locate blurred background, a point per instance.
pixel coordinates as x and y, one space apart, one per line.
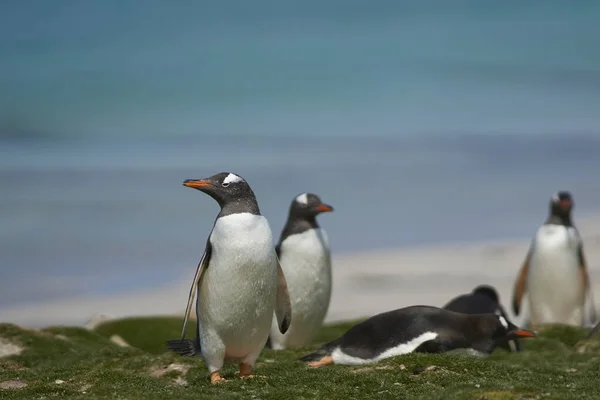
421 122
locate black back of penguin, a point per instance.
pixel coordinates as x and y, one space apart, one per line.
483 299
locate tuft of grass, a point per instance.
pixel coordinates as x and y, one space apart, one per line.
73 363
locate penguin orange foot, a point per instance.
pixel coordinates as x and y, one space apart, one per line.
246 372
327 360
216 377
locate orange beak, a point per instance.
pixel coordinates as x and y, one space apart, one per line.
196 183
522 333
565 203
324 208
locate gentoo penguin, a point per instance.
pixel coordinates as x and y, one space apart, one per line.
303 251
421 329
554 272
239 282
484 299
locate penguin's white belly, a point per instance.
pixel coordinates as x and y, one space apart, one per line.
306 262
238 291
554 283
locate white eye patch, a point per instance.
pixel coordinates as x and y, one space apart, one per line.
302 199
232 178
503 321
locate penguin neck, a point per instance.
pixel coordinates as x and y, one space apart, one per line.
298 224
559 219
481 332
244 205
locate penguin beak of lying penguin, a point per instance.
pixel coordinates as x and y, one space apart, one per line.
520 333
197 183
324 208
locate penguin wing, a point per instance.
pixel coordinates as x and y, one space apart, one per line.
594 331
283 306
521 283
585 281
202 265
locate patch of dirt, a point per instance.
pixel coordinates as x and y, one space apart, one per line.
428 368
14 384
588 346
378 368
158 372
85 388
8 348
12 366
119 341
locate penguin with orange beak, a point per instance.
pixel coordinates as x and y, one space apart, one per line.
554 273
305 258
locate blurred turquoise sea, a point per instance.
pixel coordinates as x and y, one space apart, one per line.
421 122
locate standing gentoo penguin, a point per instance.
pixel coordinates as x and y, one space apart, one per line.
421 329
554 272
304 254
483 299
239 281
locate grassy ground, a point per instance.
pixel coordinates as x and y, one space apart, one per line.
78 364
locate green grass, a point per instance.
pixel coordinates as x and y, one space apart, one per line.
558 364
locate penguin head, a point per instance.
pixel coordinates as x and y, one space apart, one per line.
488 291
308 205
225 187
506 330
561 204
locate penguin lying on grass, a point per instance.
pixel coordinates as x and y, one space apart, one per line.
422 329
484 299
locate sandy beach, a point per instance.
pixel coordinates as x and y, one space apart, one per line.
364 283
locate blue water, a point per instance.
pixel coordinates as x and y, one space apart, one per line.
421 121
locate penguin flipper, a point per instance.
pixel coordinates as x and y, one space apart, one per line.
283 306
278 250
316 355
202 265
585 282
521 284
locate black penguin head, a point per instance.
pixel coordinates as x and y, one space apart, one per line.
308 206
506 330
561 204
488 291
228 189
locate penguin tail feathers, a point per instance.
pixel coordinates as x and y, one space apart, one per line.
185 347
317 355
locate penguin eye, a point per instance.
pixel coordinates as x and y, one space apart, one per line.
225 184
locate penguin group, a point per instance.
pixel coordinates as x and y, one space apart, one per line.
251 293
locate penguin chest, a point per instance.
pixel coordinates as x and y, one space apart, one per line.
237 293
554 285
306 262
